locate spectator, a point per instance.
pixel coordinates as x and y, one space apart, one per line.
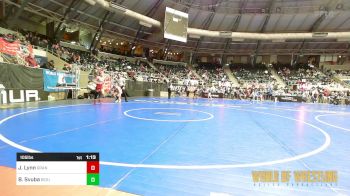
31 61
49 65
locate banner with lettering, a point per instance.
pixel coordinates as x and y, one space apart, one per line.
10 48
14 48
55 81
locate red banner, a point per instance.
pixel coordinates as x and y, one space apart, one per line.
8 47
14 48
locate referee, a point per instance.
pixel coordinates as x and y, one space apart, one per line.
121 82
170 86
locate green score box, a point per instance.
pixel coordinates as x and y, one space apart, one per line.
92 179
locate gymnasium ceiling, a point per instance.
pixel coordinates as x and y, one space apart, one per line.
224 15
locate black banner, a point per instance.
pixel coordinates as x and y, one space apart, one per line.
22 84
20 77
214 95
289 98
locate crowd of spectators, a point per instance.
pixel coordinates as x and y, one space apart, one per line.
343 76
305 77
343 73
36 39
78 59
83 59
257 76
211 73
12 37
212 79
255 82
311 84
178 74
338 73
141 71
22 55
25 55
89 61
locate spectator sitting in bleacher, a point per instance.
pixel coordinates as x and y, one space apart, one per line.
31 61
67 67
49 65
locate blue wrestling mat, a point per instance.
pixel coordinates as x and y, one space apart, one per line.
153 146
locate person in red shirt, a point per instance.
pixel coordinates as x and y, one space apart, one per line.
99 86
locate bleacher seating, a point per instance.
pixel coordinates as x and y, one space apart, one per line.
177 74
255 76
211 73
255 80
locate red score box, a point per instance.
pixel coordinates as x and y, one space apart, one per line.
93 167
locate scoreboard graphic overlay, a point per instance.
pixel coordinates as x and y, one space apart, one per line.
175 25
57 169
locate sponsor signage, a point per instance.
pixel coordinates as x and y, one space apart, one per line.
19 96
53 80
14 48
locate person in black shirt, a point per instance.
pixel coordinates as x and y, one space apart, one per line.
187 90
170 86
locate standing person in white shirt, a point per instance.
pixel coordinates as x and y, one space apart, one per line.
117 92
210 91
121 82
